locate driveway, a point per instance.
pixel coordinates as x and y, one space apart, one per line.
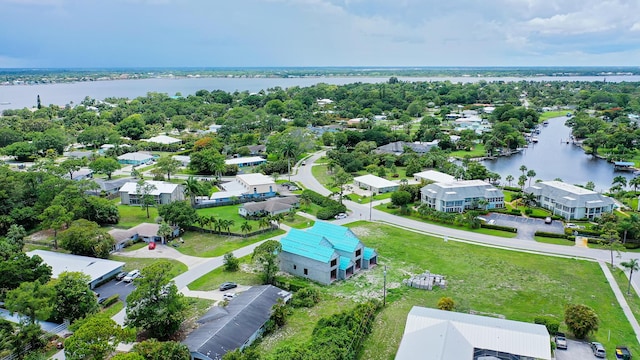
165 252
113 287
576 350
527 227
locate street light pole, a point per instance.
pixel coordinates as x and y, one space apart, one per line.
384 289
370 203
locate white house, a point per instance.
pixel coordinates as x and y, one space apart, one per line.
246 161
458 196
163 139
135 158
246 187
570 201
163 192
184 159
432 334
375 184
433 176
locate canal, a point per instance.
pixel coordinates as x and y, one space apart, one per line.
553 158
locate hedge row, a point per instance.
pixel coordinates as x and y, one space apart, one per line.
110 300
512 188
550 235
330 207
499 227
583 232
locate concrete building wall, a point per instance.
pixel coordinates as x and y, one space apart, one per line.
315 270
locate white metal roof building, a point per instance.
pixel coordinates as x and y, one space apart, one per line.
570 201
433 176
432 334
135 158
460 195
164 192
163 139
246 161
97 269
375 184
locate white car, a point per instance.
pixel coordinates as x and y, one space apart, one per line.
341 216
572 226
131 275
228 296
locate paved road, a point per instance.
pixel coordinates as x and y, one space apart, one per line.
360 211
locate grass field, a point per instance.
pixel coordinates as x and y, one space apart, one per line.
477 151
229 212
552 114
131 216
518 286
299 222
632 298
322 175
555 241
202 244
213 279
367 199
131 263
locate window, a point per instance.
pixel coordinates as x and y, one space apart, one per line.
334 262
255 190
306 271
358 252
295 267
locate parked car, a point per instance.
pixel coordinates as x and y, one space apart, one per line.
228 286
228 296
561 341
598 350
131 275
101 300
303 163
152 245
341 216
548 220
571 226
121 275
623 353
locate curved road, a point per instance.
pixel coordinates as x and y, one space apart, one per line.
359 211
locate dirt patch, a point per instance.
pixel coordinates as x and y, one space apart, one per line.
41 236
362 231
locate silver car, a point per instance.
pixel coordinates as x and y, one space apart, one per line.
598 350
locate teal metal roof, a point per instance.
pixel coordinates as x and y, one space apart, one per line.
340 237
345 263
308 245
369 253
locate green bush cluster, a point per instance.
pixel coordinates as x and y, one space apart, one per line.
583 232
306 297
499 227
552 325
330 207
550 235
111 300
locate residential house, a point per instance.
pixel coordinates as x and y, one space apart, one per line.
246 187
163 193
184 160
273 206
375 184
235 326
147 232
458 196
255 150
163 139
433 176
246 161
432 334
324 253
98 270
79 154
108 187
398 147
80 174
135 158
570 201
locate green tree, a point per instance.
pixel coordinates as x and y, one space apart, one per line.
32 299
21 150
87 238
632 265
581 320
153 349
245 227
446 303
132 126
72 297
71 165
96 338
17 268
104 165
611 240
128 356
590 185
531 174
144 190
289 150
207 161
55 217
523 169
192 188
155 305
168 165
509 179
521 181
630 224
339 179
178 213
266 257
231 263
15 237
165 231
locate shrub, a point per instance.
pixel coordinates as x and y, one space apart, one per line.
111 300
550 235
552 324
446 303
515 212
231 263
306 297
528 211
581 320
499 227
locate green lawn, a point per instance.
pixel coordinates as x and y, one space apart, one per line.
555 241
310 209
136 246
322 175
299 222
202 244
519 286
632 298
131 216
213 279
367 199
229 212
477 151
552 114
413 216
131 263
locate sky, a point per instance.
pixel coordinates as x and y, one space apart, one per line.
298 33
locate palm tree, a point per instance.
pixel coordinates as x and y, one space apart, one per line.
228 224
529 199
246 227
192 188
531 174
211 222
631 223
202 221
632 265
635 182
523 169
509 179
620 180
289 150
218 225
264 222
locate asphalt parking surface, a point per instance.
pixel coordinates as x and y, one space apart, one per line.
576 350
113 287
527 227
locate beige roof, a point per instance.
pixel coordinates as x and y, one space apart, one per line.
163 139
255 179
161 187
375 181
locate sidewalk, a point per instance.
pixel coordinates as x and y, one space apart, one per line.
621 299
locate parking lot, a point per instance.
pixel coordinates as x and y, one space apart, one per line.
527 227
576 350
113 287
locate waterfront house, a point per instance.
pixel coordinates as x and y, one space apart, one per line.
375 184
433 176
570 201
458 196
163 193
324 253
236 325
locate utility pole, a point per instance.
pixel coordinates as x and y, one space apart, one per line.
384 289
371 203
